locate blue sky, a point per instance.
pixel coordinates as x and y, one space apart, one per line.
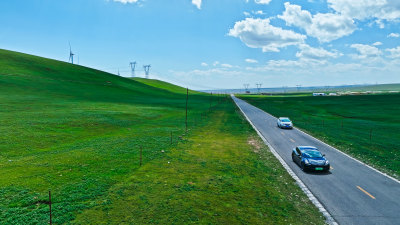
216 43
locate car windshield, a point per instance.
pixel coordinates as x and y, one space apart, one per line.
285 120
312 153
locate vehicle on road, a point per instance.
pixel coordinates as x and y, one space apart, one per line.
309 158
284 122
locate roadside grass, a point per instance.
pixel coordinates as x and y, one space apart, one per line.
221 173
78 132
365 126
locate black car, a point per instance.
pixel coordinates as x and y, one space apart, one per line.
310 159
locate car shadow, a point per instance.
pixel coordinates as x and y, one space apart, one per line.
318 173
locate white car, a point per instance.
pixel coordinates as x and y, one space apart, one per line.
284 122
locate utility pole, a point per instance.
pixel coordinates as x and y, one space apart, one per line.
210 101
187 98
147 70
133 67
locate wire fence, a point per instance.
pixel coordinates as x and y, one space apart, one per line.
153 142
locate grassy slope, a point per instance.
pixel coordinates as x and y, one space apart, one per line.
370 130
164 85
78 131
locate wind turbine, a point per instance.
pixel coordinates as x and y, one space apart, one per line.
71 55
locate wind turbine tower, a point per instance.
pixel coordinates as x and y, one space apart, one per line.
71 55
147 70
133 67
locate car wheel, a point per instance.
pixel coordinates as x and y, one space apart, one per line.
293 157
302 167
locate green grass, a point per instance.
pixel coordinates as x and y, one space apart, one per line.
212 177
78 132
378 87
366 126
163 85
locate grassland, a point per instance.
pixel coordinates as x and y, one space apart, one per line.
78 132
365 126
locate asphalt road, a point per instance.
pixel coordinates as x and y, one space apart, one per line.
351 192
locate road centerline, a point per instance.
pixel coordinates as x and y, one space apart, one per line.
336 190
365 192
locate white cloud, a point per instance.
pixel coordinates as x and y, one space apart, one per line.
394 52
259 12
216 63
246 13
251 61
367 9
259 33
394 35
303 65
265 2
328 27
126 1
378 43
226 65
197 3
366 51
295 16
325 27
204 64
309 52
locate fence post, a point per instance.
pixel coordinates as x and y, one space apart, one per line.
370 134
51 222
141 149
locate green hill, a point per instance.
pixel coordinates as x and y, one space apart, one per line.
164 85
114 150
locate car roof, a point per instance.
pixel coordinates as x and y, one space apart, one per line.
307 147
284 118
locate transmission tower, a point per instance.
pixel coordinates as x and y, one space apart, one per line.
246 87
133 67
258 87
298 87
71 55
147 70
